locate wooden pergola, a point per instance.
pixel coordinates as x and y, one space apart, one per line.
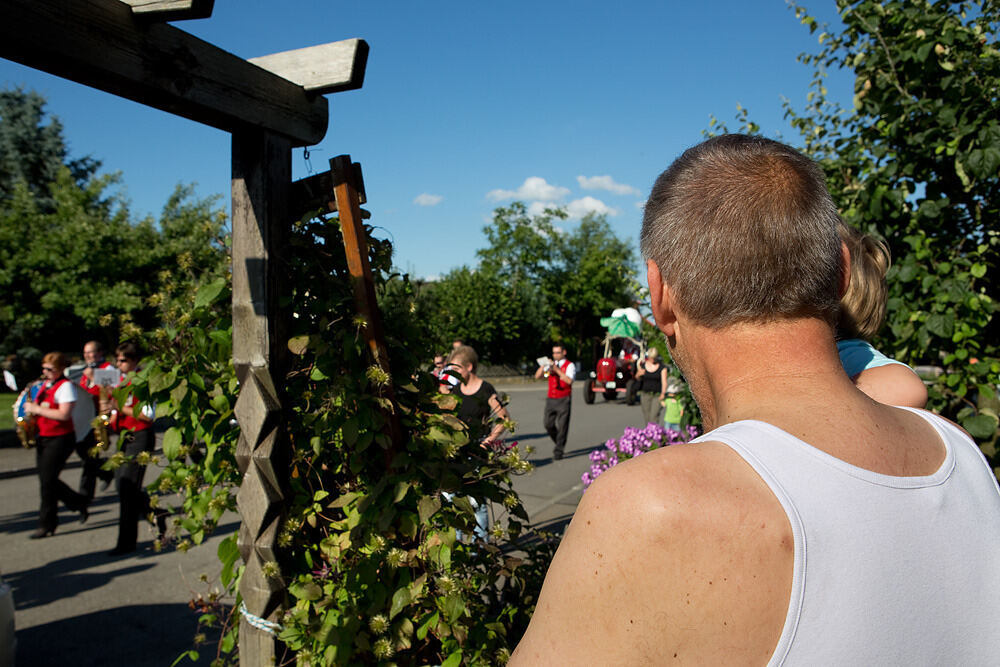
269 104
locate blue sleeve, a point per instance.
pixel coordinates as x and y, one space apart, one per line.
857 355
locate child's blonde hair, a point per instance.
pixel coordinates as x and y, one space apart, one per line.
863 305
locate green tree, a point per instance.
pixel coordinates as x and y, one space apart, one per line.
917 161
501 320
522 248
594 274
73 263
580 275
60 270
32 151
84 269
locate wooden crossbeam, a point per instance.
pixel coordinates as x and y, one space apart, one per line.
99 43
327 68
315 192
171 10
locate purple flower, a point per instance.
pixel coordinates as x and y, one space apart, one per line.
632 443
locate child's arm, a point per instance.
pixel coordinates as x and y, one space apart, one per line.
893 384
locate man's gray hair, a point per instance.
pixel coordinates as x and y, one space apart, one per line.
743 229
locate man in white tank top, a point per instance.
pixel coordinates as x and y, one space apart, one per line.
810 525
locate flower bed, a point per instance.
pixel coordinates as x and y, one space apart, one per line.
633 442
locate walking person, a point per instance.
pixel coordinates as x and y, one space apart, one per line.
481 410
135 424
560 372
53 410
673 409
93 356
652 379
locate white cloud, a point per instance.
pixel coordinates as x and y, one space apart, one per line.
426 199
605 183
537 208
581 207
534 188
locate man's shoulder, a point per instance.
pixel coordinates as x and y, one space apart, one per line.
709 542
686 482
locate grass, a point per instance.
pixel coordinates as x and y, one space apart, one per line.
7 410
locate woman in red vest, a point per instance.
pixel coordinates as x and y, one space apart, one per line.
53 410
136 425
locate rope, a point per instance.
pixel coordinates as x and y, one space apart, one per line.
260 623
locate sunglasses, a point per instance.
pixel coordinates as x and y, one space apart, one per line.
121 359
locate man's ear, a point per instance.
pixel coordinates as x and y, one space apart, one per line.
845 270
660 299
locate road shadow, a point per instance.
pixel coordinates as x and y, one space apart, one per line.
549 530
64 578
133 636
68 521
541 461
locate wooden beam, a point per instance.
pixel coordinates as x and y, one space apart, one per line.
315 192
99 43
327 68
171 10
345 188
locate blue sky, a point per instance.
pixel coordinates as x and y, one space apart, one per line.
468 105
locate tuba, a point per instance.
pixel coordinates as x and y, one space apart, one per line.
25 424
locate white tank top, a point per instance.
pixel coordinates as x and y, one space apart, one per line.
887 570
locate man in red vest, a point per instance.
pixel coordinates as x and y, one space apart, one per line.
560 373
93 355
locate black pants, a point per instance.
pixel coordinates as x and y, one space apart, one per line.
132 497
91 466
557 422
50 457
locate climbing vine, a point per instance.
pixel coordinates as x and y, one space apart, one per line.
379 548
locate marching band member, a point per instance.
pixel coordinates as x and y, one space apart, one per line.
135 424
93 355
53 410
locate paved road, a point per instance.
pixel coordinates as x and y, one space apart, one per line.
76 605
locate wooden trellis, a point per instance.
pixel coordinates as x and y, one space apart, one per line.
269 105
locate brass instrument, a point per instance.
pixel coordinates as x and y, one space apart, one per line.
26 425
102 431
27 430
102 422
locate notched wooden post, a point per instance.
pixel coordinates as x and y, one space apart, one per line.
261 185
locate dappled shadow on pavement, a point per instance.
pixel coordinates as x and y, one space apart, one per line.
61 579
539 461
133 636
103 511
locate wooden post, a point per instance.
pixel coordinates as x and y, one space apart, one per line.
261 183
346 188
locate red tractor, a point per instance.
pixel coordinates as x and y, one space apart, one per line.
614 374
